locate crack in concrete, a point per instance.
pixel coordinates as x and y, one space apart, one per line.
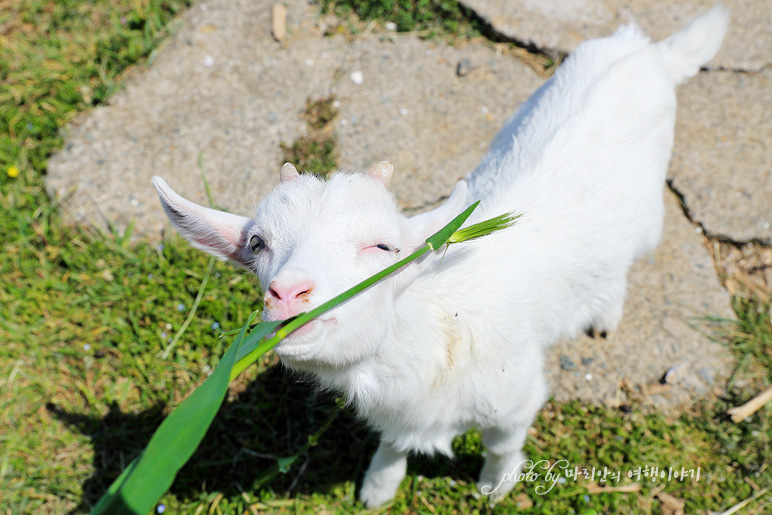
495 36
723 238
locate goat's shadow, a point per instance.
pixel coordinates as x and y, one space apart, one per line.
271 418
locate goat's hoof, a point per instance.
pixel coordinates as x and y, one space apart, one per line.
373 496
494 491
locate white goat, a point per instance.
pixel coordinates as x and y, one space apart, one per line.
442 347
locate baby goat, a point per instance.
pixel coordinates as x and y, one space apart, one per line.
445 345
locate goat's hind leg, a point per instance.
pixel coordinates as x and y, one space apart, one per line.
613 302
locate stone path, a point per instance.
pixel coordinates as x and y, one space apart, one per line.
225 90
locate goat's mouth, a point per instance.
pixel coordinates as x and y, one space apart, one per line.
303 343
309 327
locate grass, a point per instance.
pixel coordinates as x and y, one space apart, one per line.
431 17
85 317
316 152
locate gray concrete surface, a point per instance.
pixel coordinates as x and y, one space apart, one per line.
727 178
224 89
722 157
560 25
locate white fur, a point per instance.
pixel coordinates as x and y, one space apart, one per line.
445 345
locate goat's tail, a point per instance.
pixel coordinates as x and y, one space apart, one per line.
696 44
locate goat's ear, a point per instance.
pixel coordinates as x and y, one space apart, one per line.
288 172
219 233
416 229
420 227
381 172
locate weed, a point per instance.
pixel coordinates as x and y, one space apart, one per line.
320 114
430 16
316 152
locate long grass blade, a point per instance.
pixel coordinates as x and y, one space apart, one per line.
136 491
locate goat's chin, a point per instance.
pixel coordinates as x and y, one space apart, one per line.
306 342
327 347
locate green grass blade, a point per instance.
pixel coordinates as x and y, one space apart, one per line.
193 309
484 228
174 442
112 502
441 237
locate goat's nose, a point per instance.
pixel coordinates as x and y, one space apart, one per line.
290 293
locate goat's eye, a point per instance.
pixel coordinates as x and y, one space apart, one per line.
387 248
256 243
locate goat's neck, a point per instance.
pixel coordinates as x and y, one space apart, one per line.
421 350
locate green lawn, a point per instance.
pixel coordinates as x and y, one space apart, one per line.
86 316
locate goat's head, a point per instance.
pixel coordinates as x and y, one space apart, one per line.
310 240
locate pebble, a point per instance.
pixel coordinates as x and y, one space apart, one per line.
587 361
357 77
588 377
463 67
390 25
706 375
670 375
208 61
566 363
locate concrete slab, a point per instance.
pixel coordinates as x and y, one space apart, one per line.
722 158
224 90
562 24
414 110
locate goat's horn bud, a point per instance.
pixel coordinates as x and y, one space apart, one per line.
381 172
288 172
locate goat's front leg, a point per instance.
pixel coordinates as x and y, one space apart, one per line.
387 470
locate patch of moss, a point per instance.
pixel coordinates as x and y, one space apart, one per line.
317 151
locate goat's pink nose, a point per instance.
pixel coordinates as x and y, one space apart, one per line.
290 293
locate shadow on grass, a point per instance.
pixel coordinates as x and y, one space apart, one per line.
272 418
